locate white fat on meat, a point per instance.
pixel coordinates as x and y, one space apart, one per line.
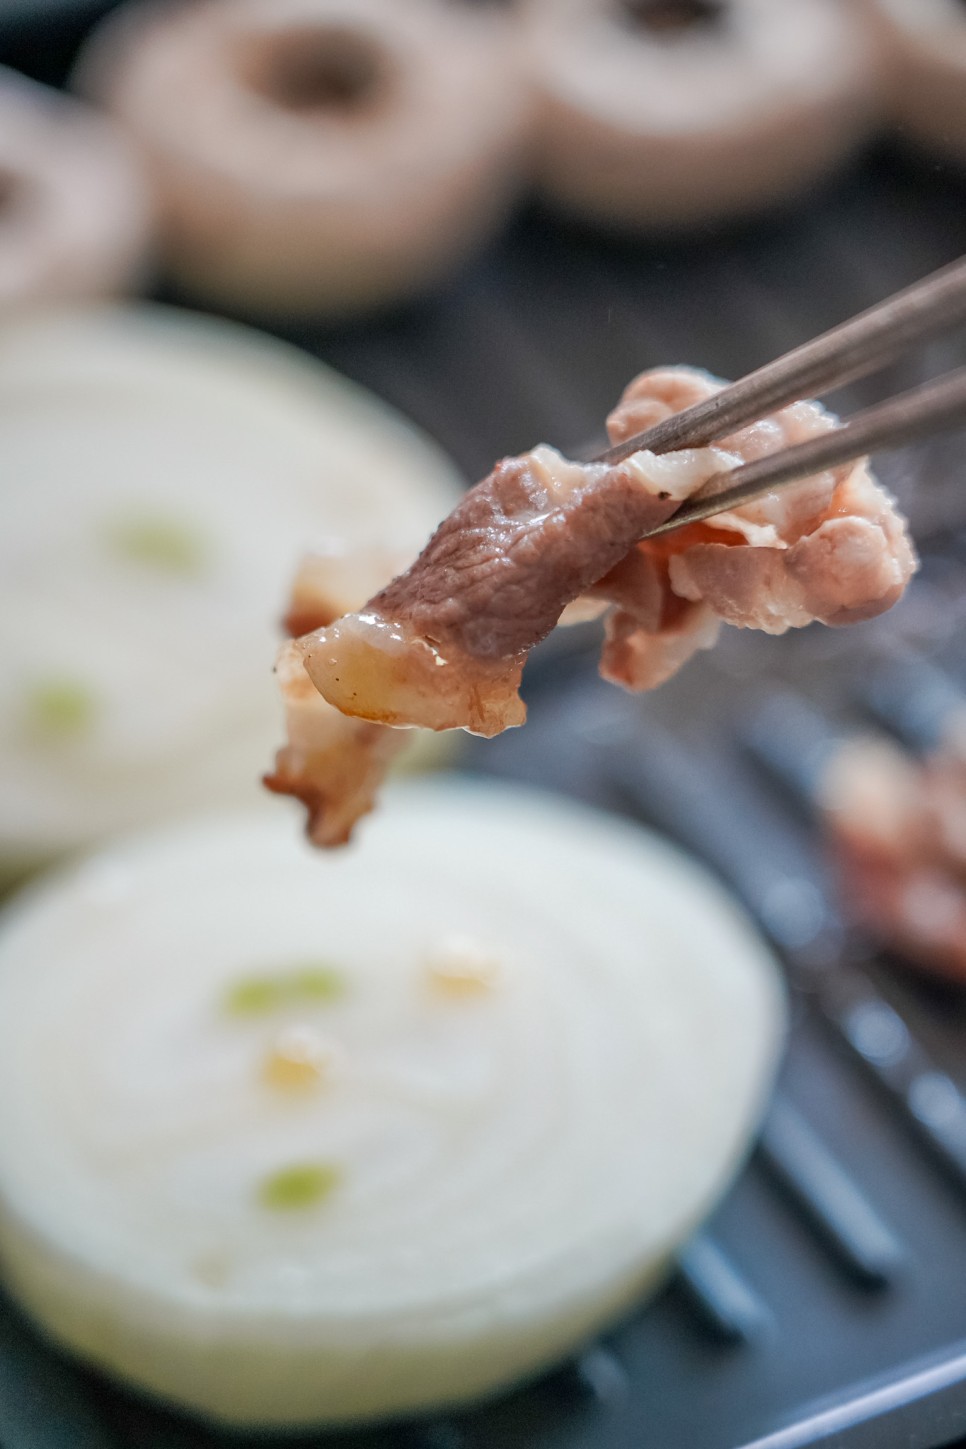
544 539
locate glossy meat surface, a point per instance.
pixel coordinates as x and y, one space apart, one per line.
333 764
443 645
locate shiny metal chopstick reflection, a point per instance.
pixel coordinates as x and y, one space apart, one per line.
935 407
854 349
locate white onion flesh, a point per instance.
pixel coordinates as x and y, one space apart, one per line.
234 455
516 1160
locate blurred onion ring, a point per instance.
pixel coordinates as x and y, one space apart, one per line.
667 113
74 212
316 156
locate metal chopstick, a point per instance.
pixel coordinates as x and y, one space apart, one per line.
935 407
852 350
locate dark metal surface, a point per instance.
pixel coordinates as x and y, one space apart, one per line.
824 1302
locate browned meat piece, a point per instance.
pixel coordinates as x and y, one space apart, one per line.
327 584
333 764
639 658
445 643
651 631
919 913
832 548
854 564
898 833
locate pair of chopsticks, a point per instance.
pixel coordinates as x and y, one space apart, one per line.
852 350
